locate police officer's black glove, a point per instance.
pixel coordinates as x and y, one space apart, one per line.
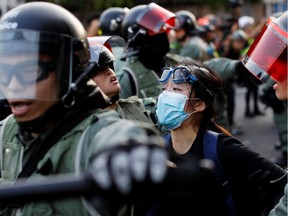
126 168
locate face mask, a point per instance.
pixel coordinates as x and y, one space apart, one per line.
170 109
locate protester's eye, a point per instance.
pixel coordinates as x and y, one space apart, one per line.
164 88
177 89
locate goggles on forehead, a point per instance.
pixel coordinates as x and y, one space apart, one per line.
179 75
182 74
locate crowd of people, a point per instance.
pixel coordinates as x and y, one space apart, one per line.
143 99
219 42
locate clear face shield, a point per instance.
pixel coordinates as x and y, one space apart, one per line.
34 65
115 44
267 56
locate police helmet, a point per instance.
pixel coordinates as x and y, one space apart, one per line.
34 29
102 49
206 24
235 3
111 19
187 20
245 21
239 35
101 54
148 19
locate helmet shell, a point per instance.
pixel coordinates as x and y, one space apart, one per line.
151 18
235 3
239 35
206 24
102 49
187 21
245 21
111 19
53 21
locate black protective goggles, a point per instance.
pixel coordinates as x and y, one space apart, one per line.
26 72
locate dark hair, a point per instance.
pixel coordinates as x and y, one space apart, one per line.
208 88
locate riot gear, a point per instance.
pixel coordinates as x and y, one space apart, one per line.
100 54
267 56
206 24
187 20
148 19
40 27
40 40
235 3
111 19
102 49
145 28
245 21
239 35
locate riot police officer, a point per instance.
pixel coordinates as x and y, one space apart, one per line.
141 110
267 59
55 126
145 27
187 34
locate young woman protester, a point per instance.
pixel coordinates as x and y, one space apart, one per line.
251 183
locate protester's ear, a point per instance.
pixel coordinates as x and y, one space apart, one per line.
200 106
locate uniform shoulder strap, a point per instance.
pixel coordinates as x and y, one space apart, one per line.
210 152
133 80
2 128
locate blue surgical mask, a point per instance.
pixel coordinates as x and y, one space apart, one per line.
170 109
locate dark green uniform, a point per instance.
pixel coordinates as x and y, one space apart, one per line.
70 154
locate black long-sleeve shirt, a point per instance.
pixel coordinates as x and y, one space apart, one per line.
251 177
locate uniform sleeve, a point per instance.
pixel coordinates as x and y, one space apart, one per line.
150 105
281 207
110 131
107 135
225 67
249 172
191 51
3 123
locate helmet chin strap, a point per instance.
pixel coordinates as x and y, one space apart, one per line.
115 98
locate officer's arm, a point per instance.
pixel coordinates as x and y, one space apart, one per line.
191 51
225 67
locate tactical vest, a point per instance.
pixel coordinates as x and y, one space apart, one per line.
143 81
134 109
67 155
